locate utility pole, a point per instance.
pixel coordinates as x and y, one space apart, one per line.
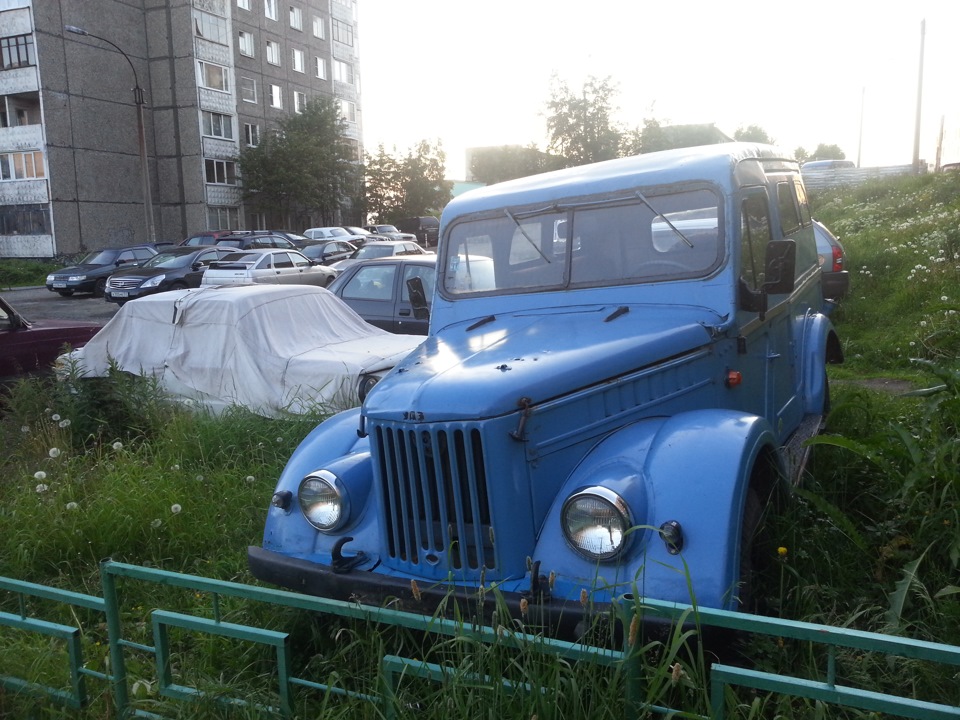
916 131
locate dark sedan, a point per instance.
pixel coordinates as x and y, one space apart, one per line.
377 290
90 274
176 268
30 347
329 251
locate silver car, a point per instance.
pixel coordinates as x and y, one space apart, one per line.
274 266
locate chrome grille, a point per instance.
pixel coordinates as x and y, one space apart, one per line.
124 283
434 486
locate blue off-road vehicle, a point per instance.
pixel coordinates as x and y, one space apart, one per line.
622 364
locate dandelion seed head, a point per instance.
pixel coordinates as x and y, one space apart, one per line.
65 423
118 446
40 475
156 523
55 417
24 428
175 508
54 452
71 506
42 488
250 478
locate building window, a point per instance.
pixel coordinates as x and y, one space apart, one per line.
296 18
299 64
214 77
17 51
349 110
220 172
270 9
343 72
24 220
223 218
251 134
217 125
248 90
246 43
211 27
21 166
342 32
276 96
299 101
273 52
319 28
321 68
243 4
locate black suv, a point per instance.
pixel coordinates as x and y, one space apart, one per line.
248 239
427 229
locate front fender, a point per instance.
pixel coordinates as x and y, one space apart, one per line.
693 468
334 445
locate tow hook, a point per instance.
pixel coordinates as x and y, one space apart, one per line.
539 586
343 564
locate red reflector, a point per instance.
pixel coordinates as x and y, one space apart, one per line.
734 378
837 260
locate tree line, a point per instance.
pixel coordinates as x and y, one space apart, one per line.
306 171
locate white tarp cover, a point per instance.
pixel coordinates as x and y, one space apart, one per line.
274 349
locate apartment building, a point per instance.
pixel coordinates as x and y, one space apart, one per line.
90 88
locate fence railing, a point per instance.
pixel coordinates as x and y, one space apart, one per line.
393 667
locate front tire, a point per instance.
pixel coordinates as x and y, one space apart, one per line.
100 287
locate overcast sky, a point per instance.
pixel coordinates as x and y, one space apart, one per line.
478 74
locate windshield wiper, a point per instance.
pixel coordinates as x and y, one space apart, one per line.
524 233
663 217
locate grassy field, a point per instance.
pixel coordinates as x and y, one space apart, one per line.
870 541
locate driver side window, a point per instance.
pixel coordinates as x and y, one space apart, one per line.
754 236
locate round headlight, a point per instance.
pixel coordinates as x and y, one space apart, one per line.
323 501
595 523
366 385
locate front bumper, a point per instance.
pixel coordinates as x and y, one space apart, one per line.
122 296
80 286
534 611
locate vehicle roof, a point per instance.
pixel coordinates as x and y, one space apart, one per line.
429 259
710 163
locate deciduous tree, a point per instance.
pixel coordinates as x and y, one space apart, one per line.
409 185
580 126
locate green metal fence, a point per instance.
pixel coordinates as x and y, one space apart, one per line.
393 668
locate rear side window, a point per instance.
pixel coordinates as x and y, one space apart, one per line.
789 214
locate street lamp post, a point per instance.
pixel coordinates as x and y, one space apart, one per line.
139 101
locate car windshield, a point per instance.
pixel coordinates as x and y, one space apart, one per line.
617 241
386 229
100 257
374 250
169 260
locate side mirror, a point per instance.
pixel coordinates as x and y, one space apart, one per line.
197 266
781 266
418 298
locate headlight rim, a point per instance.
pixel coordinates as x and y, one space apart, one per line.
618 503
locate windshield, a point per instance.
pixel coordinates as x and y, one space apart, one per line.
634 239
374 251
100 257
168 260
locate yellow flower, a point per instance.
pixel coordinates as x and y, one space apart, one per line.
782 551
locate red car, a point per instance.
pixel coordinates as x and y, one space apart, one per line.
27 348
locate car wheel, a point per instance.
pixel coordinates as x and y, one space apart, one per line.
65 293
330 281
99 287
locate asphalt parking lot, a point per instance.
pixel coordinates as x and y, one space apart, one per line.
41 304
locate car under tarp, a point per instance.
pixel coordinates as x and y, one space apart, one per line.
275 350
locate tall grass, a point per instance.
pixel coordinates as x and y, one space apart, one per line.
869 541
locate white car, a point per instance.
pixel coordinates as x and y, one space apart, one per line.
275 266
276 350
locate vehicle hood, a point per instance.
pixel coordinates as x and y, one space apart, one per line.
142 272
83 269
481 369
